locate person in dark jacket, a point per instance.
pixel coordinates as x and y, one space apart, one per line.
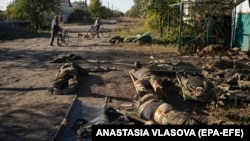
55 28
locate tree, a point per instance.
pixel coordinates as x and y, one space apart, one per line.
80 12
155 12
95 8
2 16
138 6
81 5
33 10
134 12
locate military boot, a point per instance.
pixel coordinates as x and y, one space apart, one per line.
207 120
54 91
178 118
72 86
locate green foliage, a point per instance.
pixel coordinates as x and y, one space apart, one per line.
164 16
78 15
95 8
107 13
156 14
172 35
34 10
3 16
152 21
134 10
14 11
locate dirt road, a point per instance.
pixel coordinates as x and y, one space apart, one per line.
28 111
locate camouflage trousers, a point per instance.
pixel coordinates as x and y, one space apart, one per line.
242 82
149 83
150 108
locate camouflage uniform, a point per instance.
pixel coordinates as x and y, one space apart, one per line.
150 108
145 78
217 65
231 78
235 85
67 79
193 87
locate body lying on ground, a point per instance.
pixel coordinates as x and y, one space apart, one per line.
150 107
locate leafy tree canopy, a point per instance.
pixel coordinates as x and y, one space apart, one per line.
33 10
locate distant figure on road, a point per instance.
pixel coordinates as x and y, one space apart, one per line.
97 24
54 29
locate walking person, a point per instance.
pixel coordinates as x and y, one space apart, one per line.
54 29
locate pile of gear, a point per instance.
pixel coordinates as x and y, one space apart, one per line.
66 58
141 39
118 39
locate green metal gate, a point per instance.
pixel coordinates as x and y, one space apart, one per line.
242 33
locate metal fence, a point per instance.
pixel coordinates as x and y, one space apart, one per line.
13 29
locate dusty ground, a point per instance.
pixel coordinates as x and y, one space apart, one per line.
29 112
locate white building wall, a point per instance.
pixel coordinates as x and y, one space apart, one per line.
66 10
187 5
243 7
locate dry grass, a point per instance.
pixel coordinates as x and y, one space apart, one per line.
130 27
